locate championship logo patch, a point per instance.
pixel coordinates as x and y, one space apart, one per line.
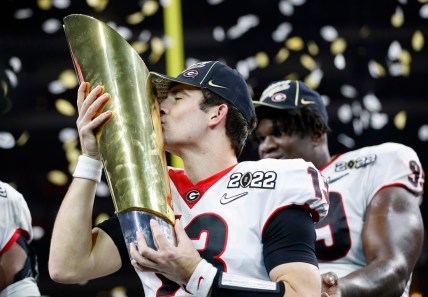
355 164
257 179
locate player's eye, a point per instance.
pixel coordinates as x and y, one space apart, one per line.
260 138
278 134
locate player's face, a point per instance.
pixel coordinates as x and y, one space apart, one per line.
282 146
183 122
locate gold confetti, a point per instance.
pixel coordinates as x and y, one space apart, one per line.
397 19
405 57
23 138
140 46
4 87
307 62
311 82
400 120
98 5
313 48
135 18
150 7
418 41
44 4
158 48
295 43
64 107
57 177
292 76
101 218
68 78
376 69
282 55
405 71
262 59
338 46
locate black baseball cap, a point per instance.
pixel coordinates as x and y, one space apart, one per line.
290 94
214 76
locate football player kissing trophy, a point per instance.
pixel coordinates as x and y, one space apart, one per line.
131 143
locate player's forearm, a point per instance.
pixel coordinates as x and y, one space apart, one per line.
71 242
300 279
306 284
378 279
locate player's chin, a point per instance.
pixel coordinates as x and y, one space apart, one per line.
170 148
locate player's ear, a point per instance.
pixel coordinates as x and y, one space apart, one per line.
319 138
218 114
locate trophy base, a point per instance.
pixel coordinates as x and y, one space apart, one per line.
137 220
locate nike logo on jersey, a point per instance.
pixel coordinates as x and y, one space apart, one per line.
212 84
332 180
225 200
201 278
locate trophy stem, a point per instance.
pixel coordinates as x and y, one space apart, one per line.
137 220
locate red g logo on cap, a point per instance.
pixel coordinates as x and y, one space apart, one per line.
190 73
278 97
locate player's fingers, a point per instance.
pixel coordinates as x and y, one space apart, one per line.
179 231
159 237
91 98
330 278
138 261
82 92
94 113
141 241
140 251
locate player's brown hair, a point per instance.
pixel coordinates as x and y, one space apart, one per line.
237 127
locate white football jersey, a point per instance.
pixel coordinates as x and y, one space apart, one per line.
225 214
15 217
353 179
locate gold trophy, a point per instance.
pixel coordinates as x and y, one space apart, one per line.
131 143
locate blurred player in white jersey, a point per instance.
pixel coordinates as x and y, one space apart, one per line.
245 229
18 262
373 234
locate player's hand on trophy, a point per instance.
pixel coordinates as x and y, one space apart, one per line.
330 285
92 118
175 262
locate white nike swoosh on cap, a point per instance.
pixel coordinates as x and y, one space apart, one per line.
211 83
306 102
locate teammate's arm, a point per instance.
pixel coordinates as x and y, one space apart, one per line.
392 242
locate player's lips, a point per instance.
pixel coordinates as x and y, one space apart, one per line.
274 155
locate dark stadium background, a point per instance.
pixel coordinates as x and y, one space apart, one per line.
368 58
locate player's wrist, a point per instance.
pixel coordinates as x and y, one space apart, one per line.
88 168
229 285
201 280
